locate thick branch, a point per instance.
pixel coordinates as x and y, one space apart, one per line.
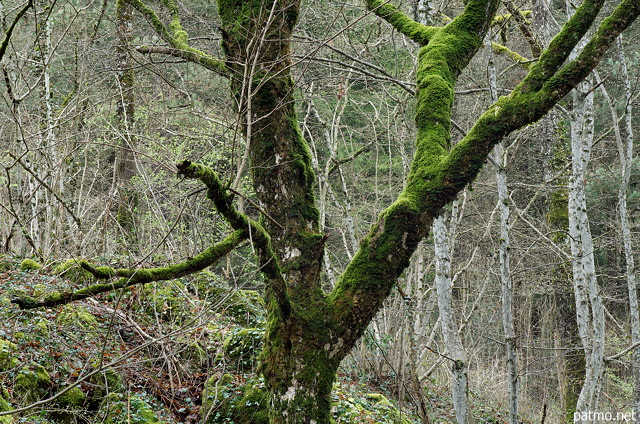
563 43
418 32
437 176
578 69
130 277
384 253
177 38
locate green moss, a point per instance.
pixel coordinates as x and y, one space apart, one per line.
73 271
29 265
31 383
76 315
419 33
352 408
39 290
108 381
104 272
516 57
378 398
194 354
73 398
7 358
42 326
213 394
253 407
53 297
5 406
501 19
70 406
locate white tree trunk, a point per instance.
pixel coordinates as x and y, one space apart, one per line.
589 307
453 344
500 158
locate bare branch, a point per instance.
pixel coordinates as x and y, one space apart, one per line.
45 185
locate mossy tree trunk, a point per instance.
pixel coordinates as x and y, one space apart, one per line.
299 371
309 331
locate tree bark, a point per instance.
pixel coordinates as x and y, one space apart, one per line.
450 331
500 158
626 156
589 307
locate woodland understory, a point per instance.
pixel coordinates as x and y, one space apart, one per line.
284 211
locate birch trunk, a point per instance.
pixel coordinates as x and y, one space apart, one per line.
500 158
452 341
589 307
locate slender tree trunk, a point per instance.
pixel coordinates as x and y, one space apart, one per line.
450 331
500 158
589 307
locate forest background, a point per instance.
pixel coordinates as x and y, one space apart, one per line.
97 111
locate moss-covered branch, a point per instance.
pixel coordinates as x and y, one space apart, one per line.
418 32
176 37
552 58
619 20
7 34
130 277
384 253
223 202
438 175
515 56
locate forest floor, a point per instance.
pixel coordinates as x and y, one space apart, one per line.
178 352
